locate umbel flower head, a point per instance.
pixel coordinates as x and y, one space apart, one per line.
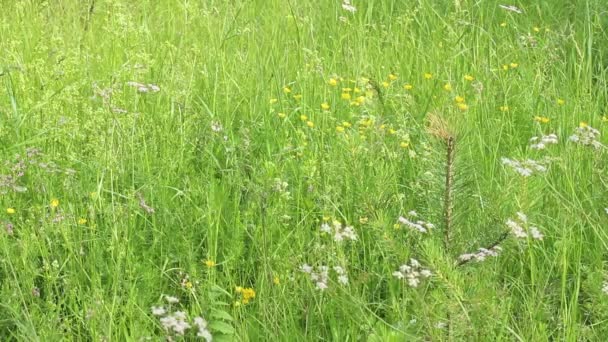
412 272
521 229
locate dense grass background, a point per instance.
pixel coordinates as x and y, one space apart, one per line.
240 185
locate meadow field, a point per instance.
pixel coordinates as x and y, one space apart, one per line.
281 170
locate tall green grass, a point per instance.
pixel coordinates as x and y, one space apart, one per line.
234 184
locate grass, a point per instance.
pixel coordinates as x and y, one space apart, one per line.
113 198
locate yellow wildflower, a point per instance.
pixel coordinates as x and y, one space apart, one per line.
346 124
345 96
513 65
463 107
385 84
209 263
404 144
54 203
273 101
357 90
541 119
282 115
286 90
360 100
505 67
391 131
504 108
408 86
447 87
561 102
310 124
459 99
333 82
10 211
303 117
325 106
468 78
276 280
363 220
428 76
536 29
340 129
392 77
82 220
605 118
297 97
582 124
503 24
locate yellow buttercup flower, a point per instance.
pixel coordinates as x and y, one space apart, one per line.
468 78
332 82
209 263
463 107
447 87
385 84
459 99
541 119
504 108
428 76
82 220
10 211
54 203
408 86
339 129
303 117
325 106
561 102
286 90
310 124
392 77
345 96
513 65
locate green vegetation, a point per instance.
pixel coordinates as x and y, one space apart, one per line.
273 167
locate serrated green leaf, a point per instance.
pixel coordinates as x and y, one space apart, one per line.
221 327
220 314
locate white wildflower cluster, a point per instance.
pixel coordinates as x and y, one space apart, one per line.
527 167
587 136
347 6
511 8
339 231
281 186
144 88
320 275
540 143
177 322
412 223
216 127
521 230
481 255
412 272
